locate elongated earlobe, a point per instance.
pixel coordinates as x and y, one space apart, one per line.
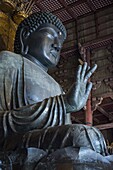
25 50
24 34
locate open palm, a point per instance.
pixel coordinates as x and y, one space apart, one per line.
77 95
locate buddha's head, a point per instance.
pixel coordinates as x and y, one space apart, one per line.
41 36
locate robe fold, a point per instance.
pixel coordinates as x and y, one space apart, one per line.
29 97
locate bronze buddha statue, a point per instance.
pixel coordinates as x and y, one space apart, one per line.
34 110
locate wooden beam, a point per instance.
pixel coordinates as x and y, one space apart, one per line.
100 109
96 120
108 115
99 40
104 126
88 44
107 104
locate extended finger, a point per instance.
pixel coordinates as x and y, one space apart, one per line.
90 72
84 68
78 73
88 89
77 83
88 68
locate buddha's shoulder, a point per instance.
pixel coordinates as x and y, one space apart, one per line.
10 57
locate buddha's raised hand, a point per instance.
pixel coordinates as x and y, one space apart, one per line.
77 96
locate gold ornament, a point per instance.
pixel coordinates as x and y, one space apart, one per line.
19 16
11 14
8 6
7 32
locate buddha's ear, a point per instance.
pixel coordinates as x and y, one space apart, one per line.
24 35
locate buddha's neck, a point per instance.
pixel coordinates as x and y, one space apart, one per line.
34 60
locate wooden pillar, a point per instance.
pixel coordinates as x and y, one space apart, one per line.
88 111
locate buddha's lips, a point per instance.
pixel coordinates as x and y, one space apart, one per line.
53 54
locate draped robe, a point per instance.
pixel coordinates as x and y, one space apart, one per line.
29 97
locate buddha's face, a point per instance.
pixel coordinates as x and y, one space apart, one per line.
45 44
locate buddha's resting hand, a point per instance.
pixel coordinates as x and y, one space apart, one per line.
77 96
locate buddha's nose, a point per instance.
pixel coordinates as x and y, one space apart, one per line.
57 44
56 47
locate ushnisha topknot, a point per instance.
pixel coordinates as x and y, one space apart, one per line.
34 21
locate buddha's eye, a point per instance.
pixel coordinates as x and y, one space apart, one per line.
48 34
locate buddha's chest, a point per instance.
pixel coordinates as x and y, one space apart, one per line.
39 85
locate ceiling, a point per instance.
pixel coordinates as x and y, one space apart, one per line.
90 23
68 10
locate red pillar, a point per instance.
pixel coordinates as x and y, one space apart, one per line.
88 111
